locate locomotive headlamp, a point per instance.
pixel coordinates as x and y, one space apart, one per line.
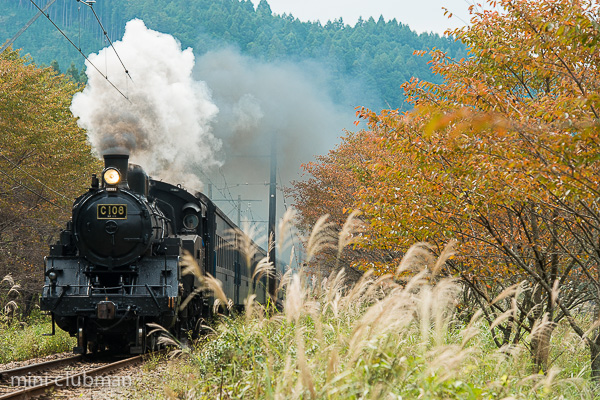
112 176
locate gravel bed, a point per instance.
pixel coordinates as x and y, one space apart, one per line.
123 384
131 374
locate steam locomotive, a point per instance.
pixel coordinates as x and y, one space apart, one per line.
117 265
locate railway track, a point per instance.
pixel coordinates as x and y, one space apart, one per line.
76 371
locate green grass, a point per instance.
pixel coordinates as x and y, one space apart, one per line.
22 341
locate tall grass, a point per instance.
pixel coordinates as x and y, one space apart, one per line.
22 340
392 337
25 340
9 293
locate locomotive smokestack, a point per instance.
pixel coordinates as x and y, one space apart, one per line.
120 162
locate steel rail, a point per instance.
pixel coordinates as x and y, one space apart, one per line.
67 381
29 369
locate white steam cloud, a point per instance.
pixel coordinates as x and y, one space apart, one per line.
184 115
165 124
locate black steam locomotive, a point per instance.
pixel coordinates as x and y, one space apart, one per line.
117 264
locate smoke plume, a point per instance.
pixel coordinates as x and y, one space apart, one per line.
261 102
164 125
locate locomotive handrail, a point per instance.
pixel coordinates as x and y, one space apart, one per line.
168 205
60 297
103 289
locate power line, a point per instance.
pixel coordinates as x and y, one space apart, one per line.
232 210
216 187
33 177
33 191
246 184
105 35
258 217
226 188
27 25
254 219
79 50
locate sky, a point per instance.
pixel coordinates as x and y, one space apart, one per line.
420 15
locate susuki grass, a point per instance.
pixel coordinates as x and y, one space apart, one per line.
9 292
393 337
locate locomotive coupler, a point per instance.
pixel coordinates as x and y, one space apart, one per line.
106 310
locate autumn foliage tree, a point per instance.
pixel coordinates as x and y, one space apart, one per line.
503 157
330 189
45 162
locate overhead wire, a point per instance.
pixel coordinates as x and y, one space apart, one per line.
33 191
218 189
79 18
107 37
227 189
227 195
251 213
257 218
33 177
232 209
246 184
25 27
79 50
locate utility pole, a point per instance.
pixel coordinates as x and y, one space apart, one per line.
239 221
272 214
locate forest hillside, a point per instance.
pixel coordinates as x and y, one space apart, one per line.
367 62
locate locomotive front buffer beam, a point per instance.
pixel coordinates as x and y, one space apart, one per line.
105 314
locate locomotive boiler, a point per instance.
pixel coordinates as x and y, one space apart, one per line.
117 265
